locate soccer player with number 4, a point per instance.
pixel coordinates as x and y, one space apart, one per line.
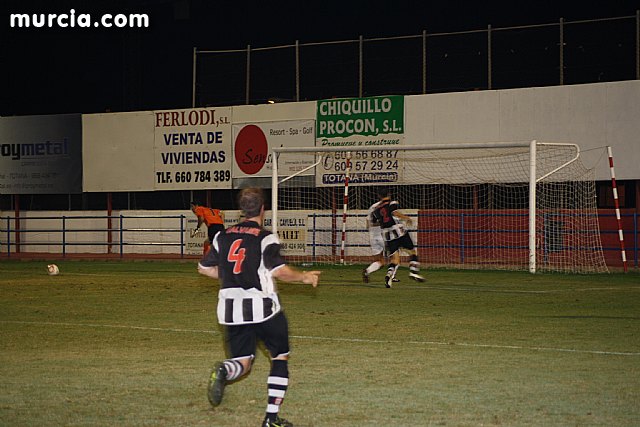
246 258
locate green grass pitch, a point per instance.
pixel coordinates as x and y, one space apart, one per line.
132 344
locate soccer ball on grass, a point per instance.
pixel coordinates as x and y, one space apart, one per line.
53 270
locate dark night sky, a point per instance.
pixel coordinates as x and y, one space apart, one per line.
76 70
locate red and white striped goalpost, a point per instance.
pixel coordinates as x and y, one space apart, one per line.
617 206
343 239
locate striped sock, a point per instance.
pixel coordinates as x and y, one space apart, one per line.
391 271
414 265
277 386
234 369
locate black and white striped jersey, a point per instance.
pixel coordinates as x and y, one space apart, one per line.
373 221
392 227
246 256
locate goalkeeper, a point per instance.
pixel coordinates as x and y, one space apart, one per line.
396 237
212 218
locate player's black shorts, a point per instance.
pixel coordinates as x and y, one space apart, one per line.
274 333
212 230
403 242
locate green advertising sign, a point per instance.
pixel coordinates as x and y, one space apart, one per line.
376 122
340 118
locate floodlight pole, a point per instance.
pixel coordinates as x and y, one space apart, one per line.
193 78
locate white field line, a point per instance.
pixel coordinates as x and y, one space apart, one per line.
350 340
521 291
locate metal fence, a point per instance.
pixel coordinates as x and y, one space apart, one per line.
564 52
94 233
149 234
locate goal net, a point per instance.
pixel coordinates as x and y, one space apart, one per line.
471 204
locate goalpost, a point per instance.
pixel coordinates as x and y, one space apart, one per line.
522 205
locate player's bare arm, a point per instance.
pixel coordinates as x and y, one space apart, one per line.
402 216
289 274
208 271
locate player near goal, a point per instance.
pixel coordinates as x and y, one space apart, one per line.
212 218
395 236
376 242
246 258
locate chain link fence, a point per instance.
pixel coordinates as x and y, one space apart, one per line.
564 52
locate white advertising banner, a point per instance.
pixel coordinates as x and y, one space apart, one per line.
117 151
194 237
252 143
292 231
192 149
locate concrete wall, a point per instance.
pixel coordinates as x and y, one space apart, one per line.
592 116
118 148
